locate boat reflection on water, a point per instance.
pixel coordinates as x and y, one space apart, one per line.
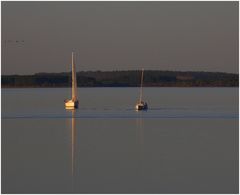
140 144
73 132
71 126
140 131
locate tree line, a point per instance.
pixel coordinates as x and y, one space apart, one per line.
130 78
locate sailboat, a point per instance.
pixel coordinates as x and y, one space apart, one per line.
73 103
141 105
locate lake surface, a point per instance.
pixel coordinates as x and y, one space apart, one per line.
187 141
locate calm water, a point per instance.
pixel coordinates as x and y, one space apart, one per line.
187 142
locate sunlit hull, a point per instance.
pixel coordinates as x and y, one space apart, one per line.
70 104
141 106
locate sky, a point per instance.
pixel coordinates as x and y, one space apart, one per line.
182 36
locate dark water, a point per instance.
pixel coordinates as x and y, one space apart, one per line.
187 142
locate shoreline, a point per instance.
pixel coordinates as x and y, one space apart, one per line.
30 87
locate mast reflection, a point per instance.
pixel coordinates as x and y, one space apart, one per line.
140 145
72 128
140 131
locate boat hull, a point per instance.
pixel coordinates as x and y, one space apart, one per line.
141 106
70 104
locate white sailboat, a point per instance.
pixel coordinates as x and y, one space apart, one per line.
141 105
73 103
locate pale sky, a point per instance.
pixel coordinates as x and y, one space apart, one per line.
184 36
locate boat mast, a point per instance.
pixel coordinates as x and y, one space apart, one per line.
74 80
141 90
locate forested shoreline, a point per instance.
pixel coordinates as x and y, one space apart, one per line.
131 78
